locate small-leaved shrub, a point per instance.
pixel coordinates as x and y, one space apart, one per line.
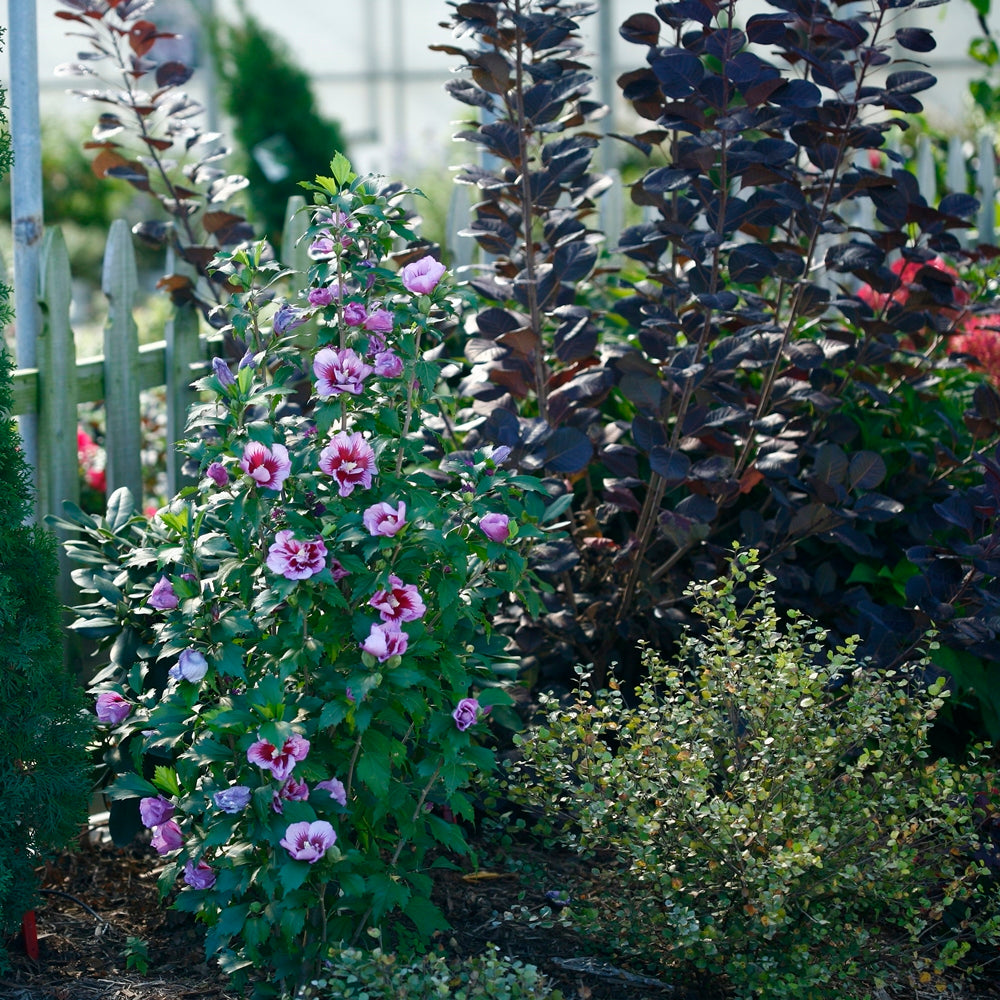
352 973
769 805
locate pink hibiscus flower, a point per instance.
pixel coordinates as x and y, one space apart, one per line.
308 841
295 559
279 762
267 467
339 371
400 603
385 640
421 276
384 519
349 459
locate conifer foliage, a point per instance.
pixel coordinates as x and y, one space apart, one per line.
43 766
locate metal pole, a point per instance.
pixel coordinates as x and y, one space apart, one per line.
26 197
606 82
400 147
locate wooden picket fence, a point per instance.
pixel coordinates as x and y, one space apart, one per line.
60 382
53 389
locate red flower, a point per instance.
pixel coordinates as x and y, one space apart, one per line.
980 337
908 272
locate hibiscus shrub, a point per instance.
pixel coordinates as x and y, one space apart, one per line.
301 660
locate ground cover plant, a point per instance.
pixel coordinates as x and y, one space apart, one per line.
767 810
766 366
298 662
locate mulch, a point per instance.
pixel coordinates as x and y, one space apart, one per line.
97 898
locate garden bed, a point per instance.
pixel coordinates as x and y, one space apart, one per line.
98 898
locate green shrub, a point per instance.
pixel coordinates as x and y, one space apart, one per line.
353 973
43 767
771 806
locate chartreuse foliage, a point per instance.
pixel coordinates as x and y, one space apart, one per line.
43 766
281 641
767 809
759 369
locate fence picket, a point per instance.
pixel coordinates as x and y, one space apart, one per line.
926 170
294 249
57 473
986 181
120 284
956 175
182 354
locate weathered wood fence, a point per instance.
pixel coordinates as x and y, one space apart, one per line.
53 389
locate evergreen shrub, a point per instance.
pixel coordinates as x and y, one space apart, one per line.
43 767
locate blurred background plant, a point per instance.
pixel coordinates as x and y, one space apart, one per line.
278 128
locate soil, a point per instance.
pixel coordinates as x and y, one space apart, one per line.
96 899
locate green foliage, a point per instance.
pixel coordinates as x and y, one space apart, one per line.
137 955
770 805
42 764
352 973
276 120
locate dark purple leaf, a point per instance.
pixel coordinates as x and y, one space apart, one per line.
798 94
647 433
959 205
830 464
671 465
854 257
645 391
766 29
866 471
805 354
576 336
491 71
572 262
494 322
663 180
916 39
909 82
642 29
678 72
554 558
468 93
750 263
568 450
172 74
494 235
877 507
697 508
